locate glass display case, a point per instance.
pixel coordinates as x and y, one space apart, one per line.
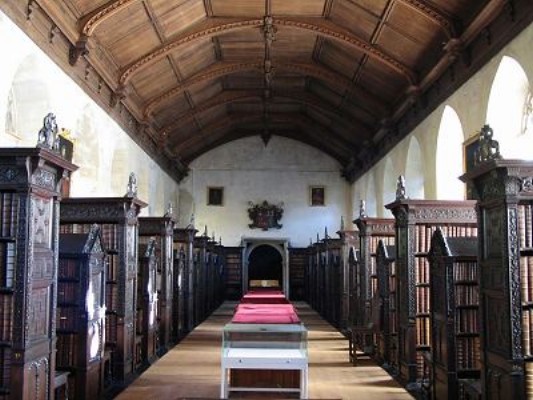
264 357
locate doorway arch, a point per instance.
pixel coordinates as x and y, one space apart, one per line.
265 263
268 246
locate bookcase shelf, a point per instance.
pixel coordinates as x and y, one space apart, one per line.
29 213
415 223
505 205
455 314
118 221
81 312
162 230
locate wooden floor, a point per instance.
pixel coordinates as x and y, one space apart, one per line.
192 368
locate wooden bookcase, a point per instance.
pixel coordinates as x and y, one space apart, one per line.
387 332
332 257
118 219
30 185
297 262
199 281
183 277
147 307
233 272
349 241
162 229
454 288
371 231
504 190
416 220
80 314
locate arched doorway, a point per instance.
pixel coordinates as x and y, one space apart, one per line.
265 263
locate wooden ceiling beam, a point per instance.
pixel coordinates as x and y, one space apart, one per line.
437 16
372 104
228 97
89 22
242 118
215 26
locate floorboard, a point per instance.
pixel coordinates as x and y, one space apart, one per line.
191 370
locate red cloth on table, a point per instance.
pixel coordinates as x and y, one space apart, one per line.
265 318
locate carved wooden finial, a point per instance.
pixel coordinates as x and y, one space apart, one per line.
48 133
362 209
205 231
170 210
132 186
400 188
342 223
317 238
489 149
326 233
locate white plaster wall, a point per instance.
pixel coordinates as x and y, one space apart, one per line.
102 150
470 102
279 172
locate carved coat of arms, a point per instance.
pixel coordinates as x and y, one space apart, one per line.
265 216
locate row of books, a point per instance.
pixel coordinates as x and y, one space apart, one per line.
5 366
468 353
111 328
422 300
6 317
67 318
525 225
423 331
9 204
424 233
109 233
68 292
68 268
466 320
527 332
466 295
374 241
526 278
465 271
111 297
67 350
7 264
112 267
421 270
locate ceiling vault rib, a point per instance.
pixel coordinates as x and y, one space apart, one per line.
216 71
90 22
318 25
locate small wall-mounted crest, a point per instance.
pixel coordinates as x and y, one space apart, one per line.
265 216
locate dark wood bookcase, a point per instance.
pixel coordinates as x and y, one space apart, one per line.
387 332
454 287
80 314
349 242
371 231
147 298
162 230
118 219
297 262
233 272
183 278
504 190
30 191
416 220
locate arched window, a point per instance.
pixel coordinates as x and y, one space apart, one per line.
414 171
449 157
509 110
389 185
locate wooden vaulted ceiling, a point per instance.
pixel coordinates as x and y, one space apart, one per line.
335 74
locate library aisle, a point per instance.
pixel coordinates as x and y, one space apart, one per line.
191 370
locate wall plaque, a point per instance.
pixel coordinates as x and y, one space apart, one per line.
265 216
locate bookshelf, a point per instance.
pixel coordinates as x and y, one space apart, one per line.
118 219
371 231
354 286
504 190
30 184
200 265
162 230
183 277
455 346
297 262
387 336
80 313
416 220
147 298
349 240
233 274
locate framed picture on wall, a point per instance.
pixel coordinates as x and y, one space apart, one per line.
317 196
215 196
